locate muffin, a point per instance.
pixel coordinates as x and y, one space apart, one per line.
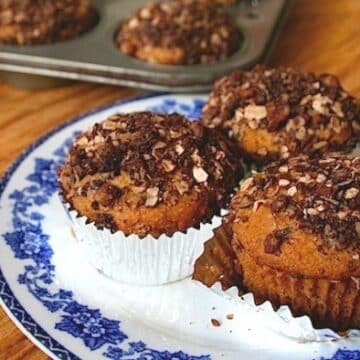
276 113
296 234
151 186
179 32
30 22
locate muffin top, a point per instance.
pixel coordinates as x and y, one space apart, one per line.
309 209
179 32
144 160
28 22
323 195
286 112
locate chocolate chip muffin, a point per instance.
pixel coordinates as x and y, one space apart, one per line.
276 113
179 32
296 234
30 22
143 191
146 173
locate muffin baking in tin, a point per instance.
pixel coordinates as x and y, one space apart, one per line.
31 22
179 32
145 191
97 57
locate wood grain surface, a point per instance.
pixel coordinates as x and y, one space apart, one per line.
321 36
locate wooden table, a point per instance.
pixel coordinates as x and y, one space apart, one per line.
321 36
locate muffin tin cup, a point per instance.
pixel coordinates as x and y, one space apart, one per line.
142 261
95 57
282 321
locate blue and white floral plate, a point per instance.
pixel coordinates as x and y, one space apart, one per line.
71 311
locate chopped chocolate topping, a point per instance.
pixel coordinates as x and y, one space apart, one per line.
26 22
215 322
105 221
95 205
107 195
271 244
179 32
303 112
323 194
273 241
145 159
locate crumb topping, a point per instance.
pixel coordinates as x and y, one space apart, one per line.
144 159
197 31
215 322
303 111
26 22
322 194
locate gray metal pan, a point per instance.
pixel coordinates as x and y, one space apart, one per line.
94 57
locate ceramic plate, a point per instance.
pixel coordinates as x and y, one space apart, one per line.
71 311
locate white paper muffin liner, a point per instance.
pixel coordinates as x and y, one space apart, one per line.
282 321
142 261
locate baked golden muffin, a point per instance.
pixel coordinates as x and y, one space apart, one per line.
145 173
144 192
30 22
179 32
276 113
296 234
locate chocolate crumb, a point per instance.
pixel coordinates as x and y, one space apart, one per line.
273 241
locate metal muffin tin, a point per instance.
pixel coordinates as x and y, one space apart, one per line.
94 56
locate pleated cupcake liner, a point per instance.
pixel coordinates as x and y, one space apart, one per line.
141 261
216 263
334 304
214 270
282 320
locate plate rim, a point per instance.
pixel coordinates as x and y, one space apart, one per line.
4 181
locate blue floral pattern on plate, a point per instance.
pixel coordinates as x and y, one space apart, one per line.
343 354
29 242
